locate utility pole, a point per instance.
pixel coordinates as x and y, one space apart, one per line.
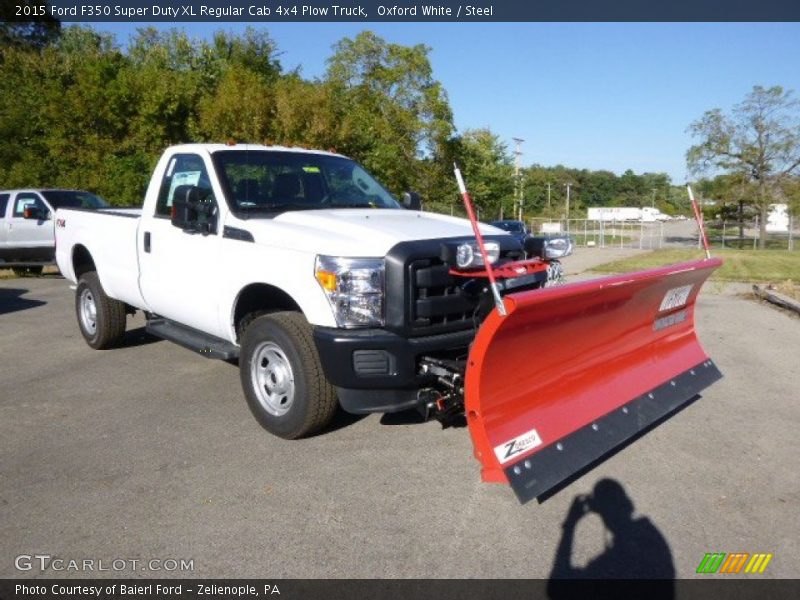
548 195
654 197
568 185
517 186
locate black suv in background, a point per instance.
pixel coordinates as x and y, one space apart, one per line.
515 228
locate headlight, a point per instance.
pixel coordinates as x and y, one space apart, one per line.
467 255
548 247
558 247
354 287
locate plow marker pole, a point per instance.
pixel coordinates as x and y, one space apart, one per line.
498 301
700 225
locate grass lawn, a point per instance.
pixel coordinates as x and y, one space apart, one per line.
739 265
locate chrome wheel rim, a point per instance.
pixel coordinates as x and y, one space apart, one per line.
88 312
273 379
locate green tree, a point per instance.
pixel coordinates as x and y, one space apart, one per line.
534 189
758 141
391 111
26 32
488 171
734 188
66 112
240 109
306 113
599 188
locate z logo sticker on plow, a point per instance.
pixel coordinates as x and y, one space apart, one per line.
505 452
675 297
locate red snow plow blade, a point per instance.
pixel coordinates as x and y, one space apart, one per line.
574 371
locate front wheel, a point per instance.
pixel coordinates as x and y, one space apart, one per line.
101 319
555 274
282 376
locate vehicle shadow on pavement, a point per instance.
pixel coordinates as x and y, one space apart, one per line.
340 420
137 337
11 300
412 417
634 547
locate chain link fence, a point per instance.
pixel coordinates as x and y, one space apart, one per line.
606 234
675 233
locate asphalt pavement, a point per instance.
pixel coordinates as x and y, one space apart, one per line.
148 452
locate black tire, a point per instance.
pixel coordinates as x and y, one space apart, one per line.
24 271
109 315
291 402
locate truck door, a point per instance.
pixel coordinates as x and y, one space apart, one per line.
30 239
179 270
3 223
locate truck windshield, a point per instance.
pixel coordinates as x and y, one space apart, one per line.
263 180
73 199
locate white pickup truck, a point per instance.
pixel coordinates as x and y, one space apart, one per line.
301 265
27 240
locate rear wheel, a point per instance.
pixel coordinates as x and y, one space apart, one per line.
282 376
101 319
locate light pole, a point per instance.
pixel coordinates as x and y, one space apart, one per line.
568 186
517 190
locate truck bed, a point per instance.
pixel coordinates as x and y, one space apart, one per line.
117 211
110 236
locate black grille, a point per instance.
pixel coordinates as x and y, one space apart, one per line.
437 300
422 298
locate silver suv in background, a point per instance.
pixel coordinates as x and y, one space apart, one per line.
27 234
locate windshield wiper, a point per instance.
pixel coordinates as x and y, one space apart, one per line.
354 205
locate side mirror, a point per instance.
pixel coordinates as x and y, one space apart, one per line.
194 210
412 201
33 212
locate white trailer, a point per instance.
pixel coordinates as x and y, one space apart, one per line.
614 213
626 213
778 218
650 215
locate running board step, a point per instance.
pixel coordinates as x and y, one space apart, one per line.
202 343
